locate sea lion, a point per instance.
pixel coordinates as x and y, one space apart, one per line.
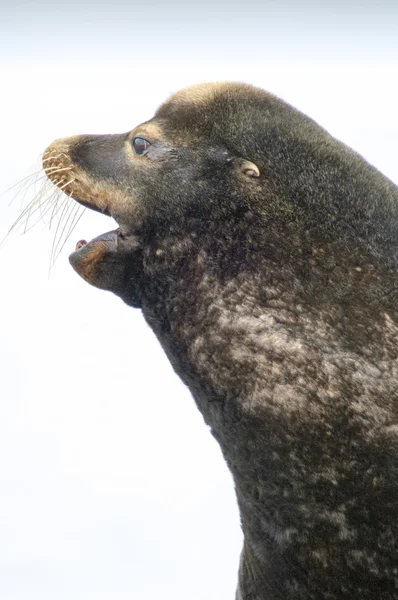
263 254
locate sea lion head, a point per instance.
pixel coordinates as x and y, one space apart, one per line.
182 169
217 154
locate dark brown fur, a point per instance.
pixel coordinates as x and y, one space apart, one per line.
263 253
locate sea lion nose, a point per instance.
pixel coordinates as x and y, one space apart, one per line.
80 245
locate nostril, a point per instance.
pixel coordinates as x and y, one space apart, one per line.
80 244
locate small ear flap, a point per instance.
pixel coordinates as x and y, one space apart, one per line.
247 168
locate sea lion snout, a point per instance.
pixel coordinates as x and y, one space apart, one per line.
84 168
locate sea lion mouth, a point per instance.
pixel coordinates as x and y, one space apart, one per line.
107 241
95 247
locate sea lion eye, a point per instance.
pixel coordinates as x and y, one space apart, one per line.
140 145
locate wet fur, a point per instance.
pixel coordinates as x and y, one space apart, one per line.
274 298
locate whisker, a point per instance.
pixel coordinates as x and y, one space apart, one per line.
24 181
54 170
56 238
61 187
57 206
52 157
50 204
34 223
64 222
34 204
80 210
77 215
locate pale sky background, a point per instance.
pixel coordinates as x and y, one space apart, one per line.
111 486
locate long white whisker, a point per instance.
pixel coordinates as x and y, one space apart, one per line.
51 204
55 241
30 209
77 215
48 205
61 187
54 170
24 181
57 207
64 223
52 157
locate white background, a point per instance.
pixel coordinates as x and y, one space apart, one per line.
111 486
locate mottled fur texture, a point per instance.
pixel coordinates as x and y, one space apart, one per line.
263 254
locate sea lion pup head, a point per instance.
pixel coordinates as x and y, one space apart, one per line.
231 159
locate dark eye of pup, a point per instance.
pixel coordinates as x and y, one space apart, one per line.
140 145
